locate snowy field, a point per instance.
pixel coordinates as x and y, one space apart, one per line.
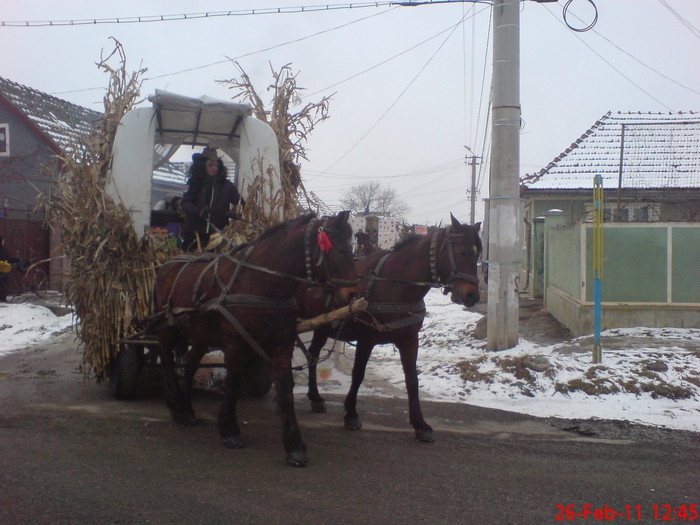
654 384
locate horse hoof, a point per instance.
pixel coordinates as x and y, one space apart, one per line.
318 407
298 458
233 442
184 418
353 424
425 436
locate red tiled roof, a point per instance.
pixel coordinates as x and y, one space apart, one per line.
655 150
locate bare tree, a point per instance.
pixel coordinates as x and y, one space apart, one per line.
374 198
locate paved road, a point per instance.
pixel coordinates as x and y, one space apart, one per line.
70 454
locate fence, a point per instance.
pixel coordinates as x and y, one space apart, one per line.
651 274
26 239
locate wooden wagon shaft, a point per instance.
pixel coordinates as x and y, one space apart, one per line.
306 325
358 305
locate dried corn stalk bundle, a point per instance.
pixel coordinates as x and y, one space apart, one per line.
111 269
260 212
292 129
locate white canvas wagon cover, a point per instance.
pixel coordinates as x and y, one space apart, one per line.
149 136
196 120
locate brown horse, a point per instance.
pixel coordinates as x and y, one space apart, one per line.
394 284
244 304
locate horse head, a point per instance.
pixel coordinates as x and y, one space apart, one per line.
457 260
329 255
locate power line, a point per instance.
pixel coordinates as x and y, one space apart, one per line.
379 64
196 68
442 208
682 20
642 62
418 173
485 160
341 26
399 97
612 66
220 14
412 191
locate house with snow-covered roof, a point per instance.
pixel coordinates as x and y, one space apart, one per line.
650 167
35 128
649 162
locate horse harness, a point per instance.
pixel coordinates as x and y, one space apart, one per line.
415 312
225 299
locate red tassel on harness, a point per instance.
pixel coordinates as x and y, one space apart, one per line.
324 242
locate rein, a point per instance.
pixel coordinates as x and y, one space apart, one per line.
416 312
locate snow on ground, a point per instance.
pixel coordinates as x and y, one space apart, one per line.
646 376
653 381
25 324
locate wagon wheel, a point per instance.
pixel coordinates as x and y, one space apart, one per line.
125 372
255 378
39 283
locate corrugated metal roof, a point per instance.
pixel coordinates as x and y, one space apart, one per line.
655 151
61 122
172 173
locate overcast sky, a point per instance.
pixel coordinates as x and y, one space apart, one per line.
405 122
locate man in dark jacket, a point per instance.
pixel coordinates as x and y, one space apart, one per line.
210 199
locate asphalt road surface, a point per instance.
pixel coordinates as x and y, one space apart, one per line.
70 454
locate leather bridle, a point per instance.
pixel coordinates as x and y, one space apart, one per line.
322 260
454 271
434 253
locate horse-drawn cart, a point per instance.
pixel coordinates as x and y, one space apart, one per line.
138 357
146 139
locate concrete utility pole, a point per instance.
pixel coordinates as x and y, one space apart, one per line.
472 192
505 221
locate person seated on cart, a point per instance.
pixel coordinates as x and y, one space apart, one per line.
5 268
210 200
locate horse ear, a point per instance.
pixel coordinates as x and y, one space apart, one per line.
455 222
477 226
343 216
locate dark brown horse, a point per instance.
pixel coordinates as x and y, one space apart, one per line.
394 283
244 304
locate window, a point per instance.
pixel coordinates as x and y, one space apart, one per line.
642 214
4 140
628 212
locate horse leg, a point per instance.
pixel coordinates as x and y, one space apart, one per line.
192 360
284 386
408 349
178 402
228 422
318 404
362 353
